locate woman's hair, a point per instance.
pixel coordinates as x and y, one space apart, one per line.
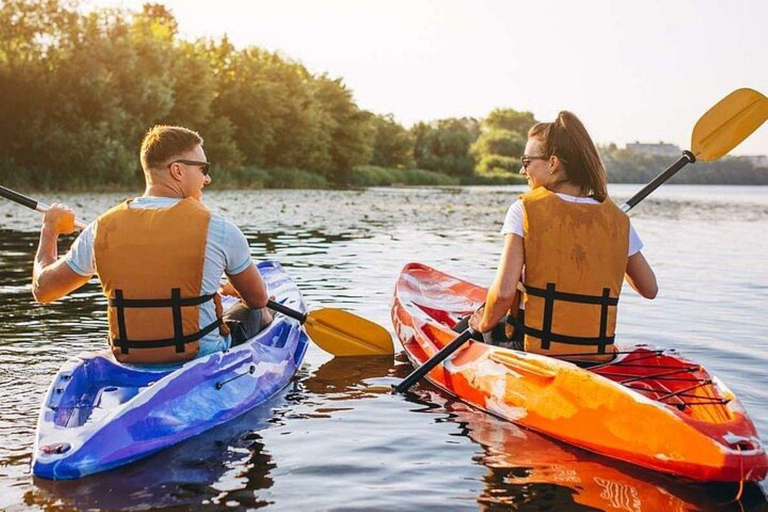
567 138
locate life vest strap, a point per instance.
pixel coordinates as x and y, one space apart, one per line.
125 344
573 297
118 301
179 340
571 340
546 335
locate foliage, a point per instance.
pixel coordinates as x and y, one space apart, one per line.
295 178
444 145
375 176
626 166
392 143
502 141
80 89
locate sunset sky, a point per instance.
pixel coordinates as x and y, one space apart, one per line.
631 70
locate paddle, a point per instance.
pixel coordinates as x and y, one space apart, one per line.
334 330
340 332
718 131
31 203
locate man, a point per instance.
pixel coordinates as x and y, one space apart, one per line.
159 258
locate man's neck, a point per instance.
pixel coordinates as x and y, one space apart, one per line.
162 190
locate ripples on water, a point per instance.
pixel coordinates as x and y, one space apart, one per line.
337 439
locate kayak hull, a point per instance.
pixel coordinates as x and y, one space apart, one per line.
99 414
648 407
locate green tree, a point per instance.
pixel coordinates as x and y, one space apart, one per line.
348 128
392 143
443 145
502 141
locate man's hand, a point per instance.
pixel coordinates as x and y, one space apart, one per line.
59 220
52 278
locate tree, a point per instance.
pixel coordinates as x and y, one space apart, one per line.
392 144
443 145
502 141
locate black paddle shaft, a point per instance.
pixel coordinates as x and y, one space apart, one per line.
687 158
19 198
438 358
296 315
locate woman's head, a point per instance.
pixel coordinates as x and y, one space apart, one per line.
564 151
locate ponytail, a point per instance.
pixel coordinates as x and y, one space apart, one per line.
567 139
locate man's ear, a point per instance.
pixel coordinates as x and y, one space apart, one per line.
176 172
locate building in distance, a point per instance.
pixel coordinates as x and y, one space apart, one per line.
758 160
659 149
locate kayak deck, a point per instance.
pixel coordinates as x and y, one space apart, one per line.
649 407
99 414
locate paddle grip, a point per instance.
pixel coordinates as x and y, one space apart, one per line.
434 361
687 158
296 315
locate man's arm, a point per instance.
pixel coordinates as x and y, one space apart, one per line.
252 290
52 278
250 286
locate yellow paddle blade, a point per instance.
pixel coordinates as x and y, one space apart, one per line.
341 333
728 123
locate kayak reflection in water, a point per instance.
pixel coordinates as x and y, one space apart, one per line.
160 258
567 249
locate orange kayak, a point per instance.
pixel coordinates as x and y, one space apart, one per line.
648 407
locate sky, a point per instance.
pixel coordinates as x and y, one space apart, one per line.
632 71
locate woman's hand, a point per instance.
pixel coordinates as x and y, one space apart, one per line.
476 319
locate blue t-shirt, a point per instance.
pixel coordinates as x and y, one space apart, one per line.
226 252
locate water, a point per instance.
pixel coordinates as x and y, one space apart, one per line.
337 439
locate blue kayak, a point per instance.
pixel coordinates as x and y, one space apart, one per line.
99 414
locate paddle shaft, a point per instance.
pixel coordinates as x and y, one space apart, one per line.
31 203
438 358
687 158
296 315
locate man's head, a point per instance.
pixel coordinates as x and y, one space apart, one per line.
174 156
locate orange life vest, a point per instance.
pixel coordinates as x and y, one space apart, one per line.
575 261
150 264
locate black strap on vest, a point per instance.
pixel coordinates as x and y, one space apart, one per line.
545 334
179 340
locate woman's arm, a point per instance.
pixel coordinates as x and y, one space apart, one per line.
640 276
502 292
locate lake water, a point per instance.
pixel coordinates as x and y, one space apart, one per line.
336 439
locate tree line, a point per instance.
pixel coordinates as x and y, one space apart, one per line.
80 89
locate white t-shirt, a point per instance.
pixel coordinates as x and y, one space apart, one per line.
226 251
513 222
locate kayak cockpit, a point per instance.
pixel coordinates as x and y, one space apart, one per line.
91 386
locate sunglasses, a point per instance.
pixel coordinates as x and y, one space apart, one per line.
526 159
204 166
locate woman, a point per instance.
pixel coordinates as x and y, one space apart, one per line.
570 246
